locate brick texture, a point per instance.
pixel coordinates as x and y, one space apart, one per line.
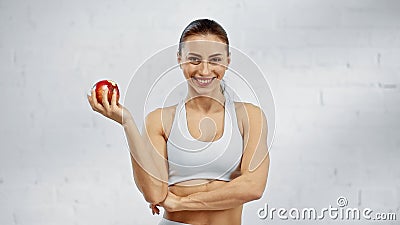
333 67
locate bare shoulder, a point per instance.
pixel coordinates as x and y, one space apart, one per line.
160 114
248 115
161 119
248 111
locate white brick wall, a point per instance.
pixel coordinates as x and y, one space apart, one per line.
333 67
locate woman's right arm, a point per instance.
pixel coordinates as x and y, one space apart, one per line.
147 150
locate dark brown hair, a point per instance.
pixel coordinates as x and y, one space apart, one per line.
203 27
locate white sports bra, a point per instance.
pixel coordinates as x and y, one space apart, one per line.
189 158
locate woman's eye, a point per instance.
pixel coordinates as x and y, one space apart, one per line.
194 60
215 60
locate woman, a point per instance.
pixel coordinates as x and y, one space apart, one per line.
203 158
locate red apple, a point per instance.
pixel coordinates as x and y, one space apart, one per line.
111 85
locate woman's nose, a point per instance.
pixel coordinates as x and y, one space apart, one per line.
205 68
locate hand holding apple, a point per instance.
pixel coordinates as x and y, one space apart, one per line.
101 86
104 100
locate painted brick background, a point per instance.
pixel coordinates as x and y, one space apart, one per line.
333 67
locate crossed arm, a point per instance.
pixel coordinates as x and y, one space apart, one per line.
248 186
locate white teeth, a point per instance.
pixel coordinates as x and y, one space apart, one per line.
204 81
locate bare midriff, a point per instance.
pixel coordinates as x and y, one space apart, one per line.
230 216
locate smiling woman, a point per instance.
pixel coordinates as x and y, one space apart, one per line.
204 60
198 152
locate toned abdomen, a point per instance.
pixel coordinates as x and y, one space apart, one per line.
210 217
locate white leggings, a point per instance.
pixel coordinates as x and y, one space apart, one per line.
164 221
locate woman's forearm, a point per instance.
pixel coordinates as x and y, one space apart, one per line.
230 195
247 187
146 164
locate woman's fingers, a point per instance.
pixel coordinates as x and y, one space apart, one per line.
105 102
93 96
92 101
114 99
154 209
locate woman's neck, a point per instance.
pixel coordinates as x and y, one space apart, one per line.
209 103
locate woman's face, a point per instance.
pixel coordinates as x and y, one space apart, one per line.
204 60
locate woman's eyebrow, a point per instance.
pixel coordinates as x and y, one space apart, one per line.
217 54
195 54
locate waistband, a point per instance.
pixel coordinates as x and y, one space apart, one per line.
164 221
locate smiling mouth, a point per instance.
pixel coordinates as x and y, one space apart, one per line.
204 81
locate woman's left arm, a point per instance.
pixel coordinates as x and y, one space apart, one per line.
249 185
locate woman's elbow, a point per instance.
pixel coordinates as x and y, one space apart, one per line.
154 199
258 194
155 195
256 191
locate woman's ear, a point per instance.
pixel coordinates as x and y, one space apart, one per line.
229 60
179 59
